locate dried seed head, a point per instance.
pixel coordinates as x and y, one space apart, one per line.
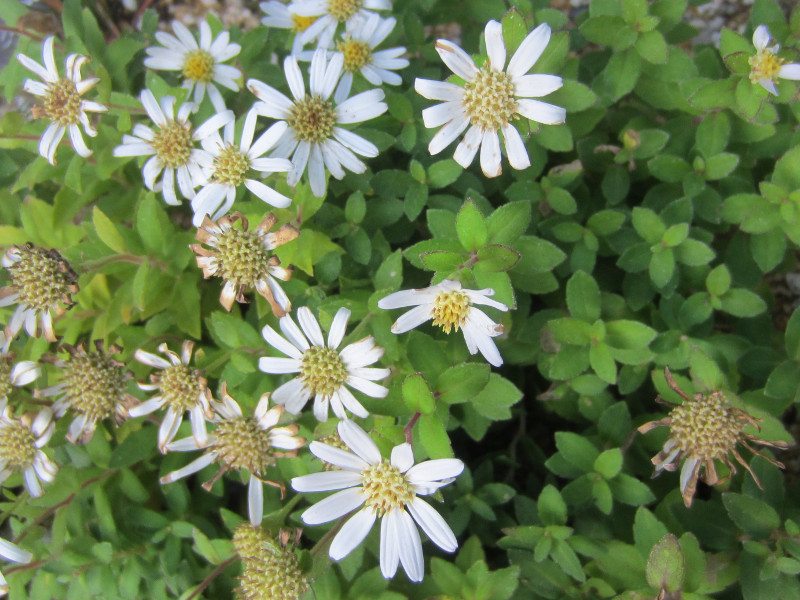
41 277
271 570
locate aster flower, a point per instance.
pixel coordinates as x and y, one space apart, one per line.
14 375
21 442
357 49
490 99
244 259
280 15
450 306
324 370
765 66
172 148
270 567
328 14
241 443
93 386
41 281
13 553
390 490
703 430
200 64
226 167
61 100
180 389
314 137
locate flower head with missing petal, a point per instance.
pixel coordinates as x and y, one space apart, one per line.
13 375
227 166
200 65
21 443
241 443
385 489
451 307
313 136
172 147
93 386
490 99
765 66
41 281
179 389
61 100
703 430
245 259
271 570
329 14
323 370
12 553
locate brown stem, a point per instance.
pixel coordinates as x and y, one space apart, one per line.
145 5
31 565
408 429
211 577
20 31
54 4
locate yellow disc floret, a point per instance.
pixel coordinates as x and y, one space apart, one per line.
312 119
489 99
356 53
386 488
342 10
450 309
242 444
199 66
300 24
765 65
707 427
17 445
173 143
231 166
180 387
62 103
322 370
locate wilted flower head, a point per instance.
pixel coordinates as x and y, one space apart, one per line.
271 570
245 259
765 66
61 100
13 375
41 281
180 389
241 443
93 385
21 443
703 430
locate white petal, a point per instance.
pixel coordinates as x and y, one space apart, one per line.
293 395
439 114
410 545
268 139
458 61
432 523
413 318
534 86
529 51
495 47
196 465
267 194
332 507
373 390
345 398
255 500
359 442
24 372
276 365
761 37
468 147
278 342
14 553
337 456
145 408
541 112
439 90
338 327
390 549
790 71
151 360
356 143
490 154
361 107
352 534
310 326
515 148
434 470
403 457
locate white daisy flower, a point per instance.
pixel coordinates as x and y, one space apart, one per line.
172 147
13 553
21 442
241 443
61 100
450 306
329 13
765 66
279 15
324 370
314 136
490 99
386 489
180 389
41 281
200 65
14 375
357 49
226 167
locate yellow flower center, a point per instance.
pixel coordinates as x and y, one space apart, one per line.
41 278
342 10
450 309
386 488
270 571
180 387
241 257
199 66
300 24
230 167
5 377
764 65
489 99
173 143
356 53
242 444
707 427
312 119
17 445
62 103
322 370
95 385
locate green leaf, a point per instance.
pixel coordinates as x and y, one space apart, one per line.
718 281
602 496
570 331
740 302
471 227
675 235
648 224
625 334
462 382
495 257
647 530
602 362
415 200
665 565
751 515
508 222
662 267
551 506
204 547
565 557
622 72
434 437
538 255
669 168
443 173
721 165
609 463
792 335
107 231
630 490
608 30
583 297
713 134
696 309
787 170
514 30
390 274
767 250
443 261
576 450
148 223
605 222
494 400
652 47
694 253
417 394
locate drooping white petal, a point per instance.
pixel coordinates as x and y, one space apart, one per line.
337 456
255 500
352 534
458 61
359 442
432 523
332 507
409 544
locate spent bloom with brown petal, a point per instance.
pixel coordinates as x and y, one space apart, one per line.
41 281
704 429
93 386
245 259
